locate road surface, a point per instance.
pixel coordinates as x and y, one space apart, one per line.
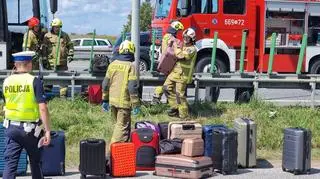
265 170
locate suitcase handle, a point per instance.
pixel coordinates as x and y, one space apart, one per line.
92 140
250 145
188 127
53 134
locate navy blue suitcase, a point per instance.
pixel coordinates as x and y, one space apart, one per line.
53 156
23 162
207 137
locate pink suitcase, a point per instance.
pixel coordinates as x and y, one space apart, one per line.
167 60
192 147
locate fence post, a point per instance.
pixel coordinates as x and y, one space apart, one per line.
302 52
213 68
152 49
243 48
91 52
272 50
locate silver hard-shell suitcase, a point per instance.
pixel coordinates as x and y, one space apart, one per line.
296 155
247 138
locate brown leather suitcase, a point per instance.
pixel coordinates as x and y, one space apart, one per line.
184 130
180 166
167 60
192 147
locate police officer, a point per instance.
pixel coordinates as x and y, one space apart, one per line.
25 106
31 40
120 90
65 54
181 75
170 36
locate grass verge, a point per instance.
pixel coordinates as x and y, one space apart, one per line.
81 120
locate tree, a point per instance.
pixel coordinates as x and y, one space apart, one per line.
145 17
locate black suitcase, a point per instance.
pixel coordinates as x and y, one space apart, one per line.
93 158
225 154
296 155
163 127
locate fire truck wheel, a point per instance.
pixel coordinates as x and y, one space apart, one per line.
203 66
315 68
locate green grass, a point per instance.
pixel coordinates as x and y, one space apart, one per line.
81 120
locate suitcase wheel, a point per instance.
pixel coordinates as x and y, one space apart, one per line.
284 169
83 176
103 176
295 172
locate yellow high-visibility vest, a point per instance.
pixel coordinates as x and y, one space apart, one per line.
20 99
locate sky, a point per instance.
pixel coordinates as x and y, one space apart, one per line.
82 16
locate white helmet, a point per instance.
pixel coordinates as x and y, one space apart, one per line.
189 32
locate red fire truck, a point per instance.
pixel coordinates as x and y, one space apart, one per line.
289 19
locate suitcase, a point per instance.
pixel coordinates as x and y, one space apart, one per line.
167 60
93 158
95 94
54 166
247 138
147 124
296 155
184 130
23 162
146 143
207 137
192 147
225 152
180 166
123 160
170 146
163 127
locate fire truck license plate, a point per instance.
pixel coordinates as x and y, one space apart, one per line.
231 22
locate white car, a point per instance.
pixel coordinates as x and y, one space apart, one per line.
82 48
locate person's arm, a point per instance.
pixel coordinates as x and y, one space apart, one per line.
105 87
26 43
133 87
43 109
186 53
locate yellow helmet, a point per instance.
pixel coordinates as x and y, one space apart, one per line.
177 25
56 22
126 47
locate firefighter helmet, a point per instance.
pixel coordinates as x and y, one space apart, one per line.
126 47
56 22
189 32
33 21
177 25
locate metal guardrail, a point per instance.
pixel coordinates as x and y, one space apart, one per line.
200 80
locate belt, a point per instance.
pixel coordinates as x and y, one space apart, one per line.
21 123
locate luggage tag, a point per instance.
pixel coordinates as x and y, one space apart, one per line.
38 130
6 123
41 141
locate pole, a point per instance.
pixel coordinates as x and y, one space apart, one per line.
26 41
302 52
243 48
213 68
135 35
92 47
58 50
272 50
152 49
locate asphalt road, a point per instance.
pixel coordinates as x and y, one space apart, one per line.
277 96
265 170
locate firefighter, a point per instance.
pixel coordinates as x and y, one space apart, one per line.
65 54
120 91
25 109
171 35
181 75
31 40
